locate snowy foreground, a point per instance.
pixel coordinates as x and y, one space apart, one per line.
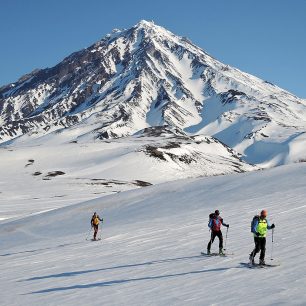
151 243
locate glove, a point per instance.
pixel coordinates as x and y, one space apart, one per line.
227 225
257 234
273 225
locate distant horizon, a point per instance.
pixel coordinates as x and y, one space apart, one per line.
261 45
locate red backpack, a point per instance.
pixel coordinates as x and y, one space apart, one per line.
216 222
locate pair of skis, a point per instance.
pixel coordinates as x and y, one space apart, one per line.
258 266
98 239
244 264
216 254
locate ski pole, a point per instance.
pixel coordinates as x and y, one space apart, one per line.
210 241
225 239
100 232
272 243
88 234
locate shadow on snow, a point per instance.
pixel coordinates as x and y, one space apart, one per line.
129 280
42 249
75 273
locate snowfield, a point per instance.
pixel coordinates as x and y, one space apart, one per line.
151 243
50 173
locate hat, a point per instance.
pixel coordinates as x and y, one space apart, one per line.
217 212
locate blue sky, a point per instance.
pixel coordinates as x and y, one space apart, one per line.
266 38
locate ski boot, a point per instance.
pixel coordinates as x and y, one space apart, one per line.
262 262
208 252
221 252
252 260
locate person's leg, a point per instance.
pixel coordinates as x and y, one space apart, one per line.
212 238
256 249
220 236
95 231
262 250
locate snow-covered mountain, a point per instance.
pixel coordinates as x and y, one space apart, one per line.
146 76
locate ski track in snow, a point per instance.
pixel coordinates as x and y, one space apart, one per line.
151 243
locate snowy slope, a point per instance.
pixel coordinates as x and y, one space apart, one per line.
147 76
152 237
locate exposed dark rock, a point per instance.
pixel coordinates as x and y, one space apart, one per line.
54 173
30 162
142 183
153 152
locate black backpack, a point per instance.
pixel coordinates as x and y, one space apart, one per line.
255 218
211 216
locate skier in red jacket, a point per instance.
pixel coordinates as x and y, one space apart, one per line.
215 222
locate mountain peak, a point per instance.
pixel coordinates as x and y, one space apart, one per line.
147 76
145 23
152 29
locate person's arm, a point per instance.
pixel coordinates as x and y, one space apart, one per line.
210 223
224 224
270 226
255 227
100 219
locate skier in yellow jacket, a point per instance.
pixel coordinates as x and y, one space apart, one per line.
259 228
95 220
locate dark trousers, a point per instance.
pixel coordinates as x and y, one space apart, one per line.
260 245
96 228
212 238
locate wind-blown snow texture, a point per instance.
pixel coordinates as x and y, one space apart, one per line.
151 242
146 76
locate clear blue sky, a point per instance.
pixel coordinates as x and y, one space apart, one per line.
266 38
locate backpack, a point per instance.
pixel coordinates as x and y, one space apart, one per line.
215 222
95 221
211 216
254 220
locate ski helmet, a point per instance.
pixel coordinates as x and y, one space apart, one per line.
217 212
